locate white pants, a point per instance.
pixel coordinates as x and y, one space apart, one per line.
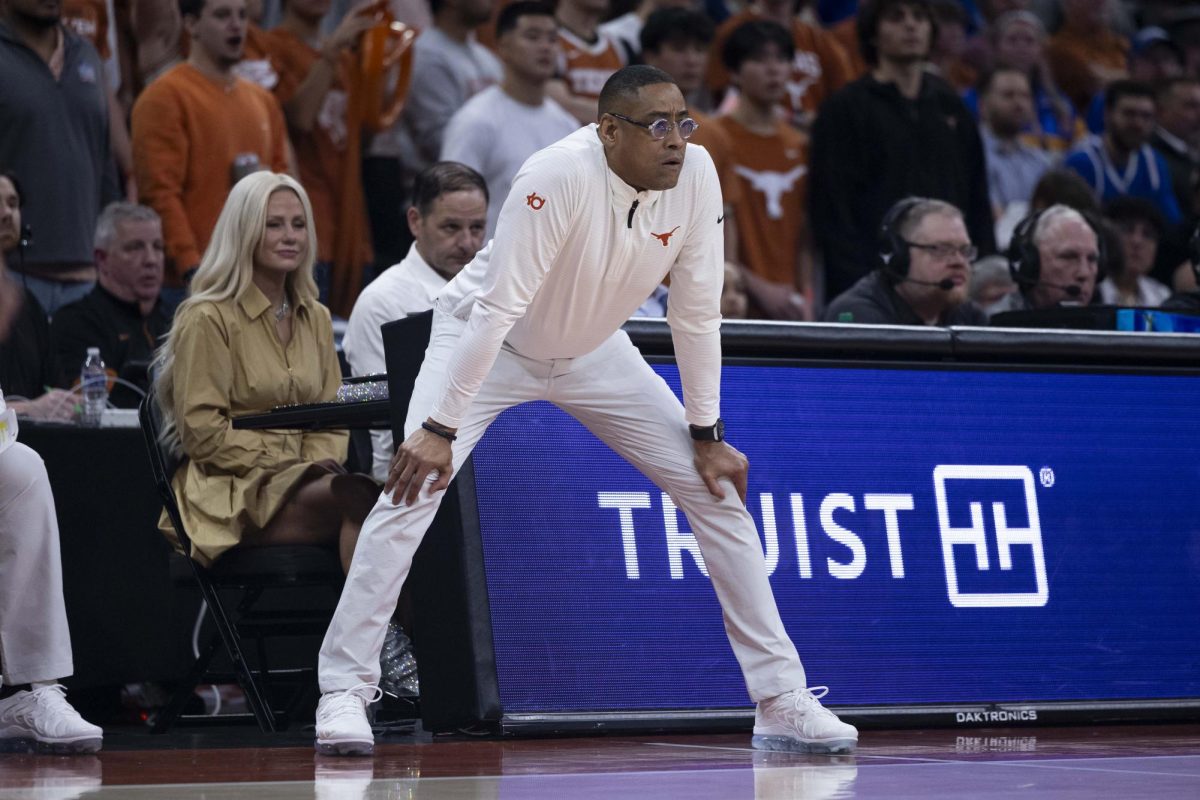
35 644
621 400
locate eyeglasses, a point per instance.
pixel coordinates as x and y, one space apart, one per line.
943 251
660 128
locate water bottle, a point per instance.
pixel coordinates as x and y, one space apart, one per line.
93 383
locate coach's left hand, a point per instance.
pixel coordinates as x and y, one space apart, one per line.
716 460
421 454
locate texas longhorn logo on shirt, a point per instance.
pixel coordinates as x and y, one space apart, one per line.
773 185
665 238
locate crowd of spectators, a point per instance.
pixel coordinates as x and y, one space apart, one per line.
127 122
820 117
190 181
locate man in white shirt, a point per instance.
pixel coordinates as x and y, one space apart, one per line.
35 643
626 30
503 125
449 67
592 225
446 218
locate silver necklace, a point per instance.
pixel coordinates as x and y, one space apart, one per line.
283 310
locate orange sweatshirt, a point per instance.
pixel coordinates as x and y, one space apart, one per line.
328 158
187 131
820 67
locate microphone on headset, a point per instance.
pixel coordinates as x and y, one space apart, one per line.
945 284
1072 290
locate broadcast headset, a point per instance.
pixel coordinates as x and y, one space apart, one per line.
1025 263
894 249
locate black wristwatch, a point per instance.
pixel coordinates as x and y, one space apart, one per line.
709 433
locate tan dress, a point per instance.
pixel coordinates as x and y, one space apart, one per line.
229 362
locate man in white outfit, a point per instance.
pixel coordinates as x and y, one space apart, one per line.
447 219
35 644
497 129
591 226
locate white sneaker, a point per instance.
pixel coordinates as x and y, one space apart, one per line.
342 726
797 722
43 716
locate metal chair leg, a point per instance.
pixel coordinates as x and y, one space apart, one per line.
254 695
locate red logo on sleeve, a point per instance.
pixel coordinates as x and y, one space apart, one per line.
665 238
535 202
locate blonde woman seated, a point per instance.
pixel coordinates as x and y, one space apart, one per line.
252 336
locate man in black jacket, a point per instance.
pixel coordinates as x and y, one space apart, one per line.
897 131
924 267
124 315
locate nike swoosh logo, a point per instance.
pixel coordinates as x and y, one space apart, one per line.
720 219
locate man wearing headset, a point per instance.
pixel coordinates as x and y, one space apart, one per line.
925 266
1055 260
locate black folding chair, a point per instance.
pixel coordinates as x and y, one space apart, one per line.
247 574
404 343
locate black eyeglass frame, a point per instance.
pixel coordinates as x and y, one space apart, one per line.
968 251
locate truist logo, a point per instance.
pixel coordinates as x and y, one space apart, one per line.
974 534
665 238
991 559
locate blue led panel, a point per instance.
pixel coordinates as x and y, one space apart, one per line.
933 536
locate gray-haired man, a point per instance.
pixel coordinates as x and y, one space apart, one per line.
123 315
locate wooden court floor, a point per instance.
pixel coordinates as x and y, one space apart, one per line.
1151 761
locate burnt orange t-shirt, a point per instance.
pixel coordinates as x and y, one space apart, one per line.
820 67
713 137
846 34
256 43
585 66
959 74
256 65
771 213
1083 62
322 153
89 19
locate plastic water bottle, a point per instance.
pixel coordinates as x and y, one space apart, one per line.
93 383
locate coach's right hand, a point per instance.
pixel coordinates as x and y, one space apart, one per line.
423 453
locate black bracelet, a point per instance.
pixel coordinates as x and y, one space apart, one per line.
447 435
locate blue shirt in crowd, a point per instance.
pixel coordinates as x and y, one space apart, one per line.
1144 175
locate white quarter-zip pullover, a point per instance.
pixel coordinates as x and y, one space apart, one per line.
577 250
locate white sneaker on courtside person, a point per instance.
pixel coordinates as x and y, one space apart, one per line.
797 722
43 717
342 726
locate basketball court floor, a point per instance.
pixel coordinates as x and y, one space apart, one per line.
1150 761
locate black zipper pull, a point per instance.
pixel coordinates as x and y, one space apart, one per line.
632 208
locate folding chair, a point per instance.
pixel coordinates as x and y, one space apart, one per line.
246 573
